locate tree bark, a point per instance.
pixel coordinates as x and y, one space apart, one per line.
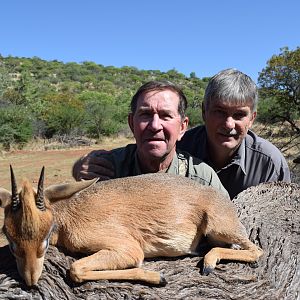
270 213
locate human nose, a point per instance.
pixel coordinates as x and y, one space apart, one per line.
229 122
154 123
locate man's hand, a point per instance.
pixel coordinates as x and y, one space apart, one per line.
93 165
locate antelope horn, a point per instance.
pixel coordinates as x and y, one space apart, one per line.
40 201
15 200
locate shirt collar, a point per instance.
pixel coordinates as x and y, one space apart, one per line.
174 166
240 156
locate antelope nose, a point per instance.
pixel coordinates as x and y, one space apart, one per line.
31 279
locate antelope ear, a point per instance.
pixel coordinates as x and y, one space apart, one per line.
5 197
67 190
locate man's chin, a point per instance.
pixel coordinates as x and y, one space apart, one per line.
154 145
156 154
228 146
227 141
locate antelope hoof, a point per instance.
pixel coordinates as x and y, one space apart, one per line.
207 270
163 281
74 274
254 264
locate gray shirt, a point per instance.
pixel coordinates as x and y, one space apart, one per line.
126 163
255 161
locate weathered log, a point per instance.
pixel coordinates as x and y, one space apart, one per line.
270 213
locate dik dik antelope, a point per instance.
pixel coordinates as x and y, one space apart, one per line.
120 222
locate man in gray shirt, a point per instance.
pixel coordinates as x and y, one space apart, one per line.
240 157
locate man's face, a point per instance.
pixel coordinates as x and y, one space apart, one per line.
157 125
227 125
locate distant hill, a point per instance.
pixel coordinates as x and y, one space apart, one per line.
54 98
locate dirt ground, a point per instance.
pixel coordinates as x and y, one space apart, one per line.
58 163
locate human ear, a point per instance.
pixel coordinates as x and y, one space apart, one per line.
183 127
203 112
130 122
253 116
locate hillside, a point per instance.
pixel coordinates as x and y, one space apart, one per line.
41 98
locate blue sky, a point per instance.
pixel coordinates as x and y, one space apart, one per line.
191 36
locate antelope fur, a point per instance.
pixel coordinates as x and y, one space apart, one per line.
118 223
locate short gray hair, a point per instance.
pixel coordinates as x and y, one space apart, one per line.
231 86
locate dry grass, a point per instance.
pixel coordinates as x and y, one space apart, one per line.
286 140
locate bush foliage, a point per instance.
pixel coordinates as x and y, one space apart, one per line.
15 126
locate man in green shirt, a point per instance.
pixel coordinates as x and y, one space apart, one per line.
157 120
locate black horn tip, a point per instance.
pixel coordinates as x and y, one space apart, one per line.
12 175
42 175
14 191
40 202
42 172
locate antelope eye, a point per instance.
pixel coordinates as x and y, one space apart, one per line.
43 248
45 244
12 247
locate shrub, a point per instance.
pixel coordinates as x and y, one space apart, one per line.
15 126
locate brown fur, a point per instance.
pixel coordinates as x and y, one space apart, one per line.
122 221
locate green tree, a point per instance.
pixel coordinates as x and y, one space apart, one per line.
193 75
64 115
279 85
15 126
122 104
100 114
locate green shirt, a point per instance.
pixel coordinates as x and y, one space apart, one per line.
126 164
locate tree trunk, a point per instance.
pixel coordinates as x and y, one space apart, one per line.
270 213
